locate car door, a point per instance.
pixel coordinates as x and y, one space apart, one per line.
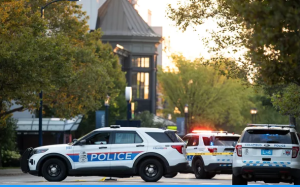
94 153
126 147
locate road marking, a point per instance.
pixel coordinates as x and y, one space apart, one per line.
103 179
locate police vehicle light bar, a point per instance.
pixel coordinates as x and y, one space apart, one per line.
115 126
270 125
203 131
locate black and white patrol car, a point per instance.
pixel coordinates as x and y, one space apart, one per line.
113 152
268 153
210 152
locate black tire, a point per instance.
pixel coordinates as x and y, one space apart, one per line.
151 170
238 180
296 181
170 175
210 175
54 170
199 171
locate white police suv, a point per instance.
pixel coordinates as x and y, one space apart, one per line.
268 153
113 152
210 153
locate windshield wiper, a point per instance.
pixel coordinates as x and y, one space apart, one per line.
272 142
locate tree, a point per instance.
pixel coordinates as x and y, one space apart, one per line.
74 68
147 120
7 137
268 30
214 101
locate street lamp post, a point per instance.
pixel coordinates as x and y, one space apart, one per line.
253 112
186 113
41 93
169 117
106 103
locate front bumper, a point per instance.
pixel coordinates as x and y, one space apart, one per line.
279 174
177 168
24 160
219 168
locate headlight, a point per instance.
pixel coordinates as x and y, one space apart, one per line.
37 151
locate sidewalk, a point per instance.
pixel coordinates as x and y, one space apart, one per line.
5 172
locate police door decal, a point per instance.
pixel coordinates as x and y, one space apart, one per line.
96 157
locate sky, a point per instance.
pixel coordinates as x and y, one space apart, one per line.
189 43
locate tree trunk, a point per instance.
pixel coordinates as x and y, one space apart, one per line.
0 159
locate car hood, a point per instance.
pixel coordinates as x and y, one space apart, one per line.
53 146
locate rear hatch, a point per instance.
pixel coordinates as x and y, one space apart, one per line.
269 147
224 144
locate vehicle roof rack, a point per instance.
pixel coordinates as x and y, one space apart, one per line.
271 125
115 126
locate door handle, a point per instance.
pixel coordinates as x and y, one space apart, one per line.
102 147
195 148
139 145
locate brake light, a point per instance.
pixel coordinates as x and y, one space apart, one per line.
295 152
212 150
239 150
178 148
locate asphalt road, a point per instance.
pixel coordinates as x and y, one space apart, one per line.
180 179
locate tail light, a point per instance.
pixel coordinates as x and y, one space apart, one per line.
295 152
212 150
239 150
178 148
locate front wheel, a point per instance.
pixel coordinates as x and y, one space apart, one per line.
54 170
151 170
171 175
238 180
297 181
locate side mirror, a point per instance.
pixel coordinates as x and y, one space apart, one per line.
82 142
74 140
234 144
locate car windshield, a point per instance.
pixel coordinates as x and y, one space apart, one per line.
270 136
225 140
71 143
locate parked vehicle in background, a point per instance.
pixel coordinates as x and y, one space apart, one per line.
268 153
210 152
113 152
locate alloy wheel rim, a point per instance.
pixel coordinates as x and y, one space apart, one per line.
53 170
151 170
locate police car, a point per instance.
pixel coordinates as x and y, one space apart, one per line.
210 153
113 152
268 153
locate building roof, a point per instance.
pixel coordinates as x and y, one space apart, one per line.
119 18
49 124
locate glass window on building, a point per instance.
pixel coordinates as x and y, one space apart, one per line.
140 62
140 85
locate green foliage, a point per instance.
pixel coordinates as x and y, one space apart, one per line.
287 101
268 30
8 141
146 119
75 70
214 101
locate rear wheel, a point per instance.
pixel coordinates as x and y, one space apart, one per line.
199 169
170 175
151 170
297 181
238 180
54 170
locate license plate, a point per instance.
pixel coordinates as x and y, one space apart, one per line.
266 152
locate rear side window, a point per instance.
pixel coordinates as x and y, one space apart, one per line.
127 138
160 137
206 141
225 140
269 136
193 141
173 136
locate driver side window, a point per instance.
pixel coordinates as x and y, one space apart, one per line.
99 139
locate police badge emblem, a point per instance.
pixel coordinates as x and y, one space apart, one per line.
83 157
